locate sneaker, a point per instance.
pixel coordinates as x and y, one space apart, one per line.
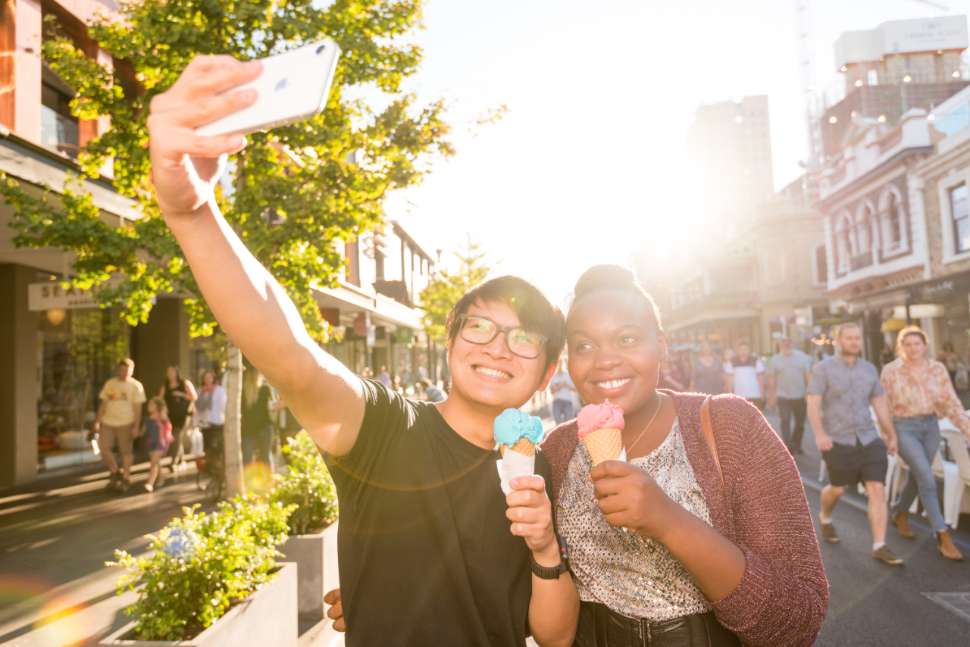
828 532
901 521
124 485
886 556
149 487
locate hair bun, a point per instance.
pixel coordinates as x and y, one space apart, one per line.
601 277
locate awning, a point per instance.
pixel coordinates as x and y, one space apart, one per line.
893 325
383 310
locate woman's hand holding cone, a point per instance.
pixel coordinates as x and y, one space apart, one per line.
629 498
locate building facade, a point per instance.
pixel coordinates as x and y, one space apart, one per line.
730 144
762 284
892 188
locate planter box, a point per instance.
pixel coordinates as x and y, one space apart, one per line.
308 552
265 618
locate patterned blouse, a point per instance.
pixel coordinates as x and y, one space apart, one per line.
923 391
633 576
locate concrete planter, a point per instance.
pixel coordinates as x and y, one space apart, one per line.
308 552
265 618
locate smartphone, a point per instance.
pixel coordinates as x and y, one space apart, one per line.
292 86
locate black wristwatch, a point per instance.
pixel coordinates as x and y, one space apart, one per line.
550 572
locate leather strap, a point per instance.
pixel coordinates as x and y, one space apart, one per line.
708 431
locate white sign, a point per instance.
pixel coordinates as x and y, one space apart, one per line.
901 37
50 295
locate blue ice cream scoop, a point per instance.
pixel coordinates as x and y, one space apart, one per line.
511 425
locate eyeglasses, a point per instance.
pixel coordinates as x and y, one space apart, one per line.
519 341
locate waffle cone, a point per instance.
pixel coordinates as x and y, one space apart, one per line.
523 446
604 444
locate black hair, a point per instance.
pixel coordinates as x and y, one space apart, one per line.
534 310
618 279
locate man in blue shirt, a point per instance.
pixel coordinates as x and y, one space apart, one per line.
839 395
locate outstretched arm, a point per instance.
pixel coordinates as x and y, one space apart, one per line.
247 301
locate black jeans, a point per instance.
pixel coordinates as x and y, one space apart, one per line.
600 627
788 409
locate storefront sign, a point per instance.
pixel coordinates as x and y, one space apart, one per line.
50 295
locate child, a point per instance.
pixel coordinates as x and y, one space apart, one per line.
158 432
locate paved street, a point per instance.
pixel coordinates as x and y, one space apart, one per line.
55 591
873 604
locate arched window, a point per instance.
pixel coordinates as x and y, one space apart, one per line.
892 222
863 232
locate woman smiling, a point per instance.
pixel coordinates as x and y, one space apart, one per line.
700 538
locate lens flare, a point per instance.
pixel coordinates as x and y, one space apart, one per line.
258 478
56 619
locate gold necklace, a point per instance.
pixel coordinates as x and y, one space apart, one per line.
652 418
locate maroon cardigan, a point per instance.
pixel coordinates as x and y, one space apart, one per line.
761 507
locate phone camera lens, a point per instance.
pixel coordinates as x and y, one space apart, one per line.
320 49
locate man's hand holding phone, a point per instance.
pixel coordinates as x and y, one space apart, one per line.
186 165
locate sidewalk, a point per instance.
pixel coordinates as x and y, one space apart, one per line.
55 537
54 542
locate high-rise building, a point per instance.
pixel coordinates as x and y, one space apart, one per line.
730 144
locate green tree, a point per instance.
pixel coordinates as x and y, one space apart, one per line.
292 194
295 191
446 288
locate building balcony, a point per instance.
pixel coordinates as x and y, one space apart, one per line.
397 290
860 261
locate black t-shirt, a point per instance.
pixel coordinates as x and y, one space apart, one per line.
426 555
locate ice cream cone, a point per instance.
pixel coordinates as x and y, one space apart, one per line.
604 444
523 446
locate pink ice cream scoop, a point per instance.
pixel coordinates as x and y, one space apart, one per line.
599 416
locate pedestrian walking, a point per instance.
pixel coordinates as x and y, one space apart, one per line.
950 360
430 392
563 395
384 377
178 394
158 436
919 393
210 415
842 389
257 419
118 417
789 372
744 375
707 373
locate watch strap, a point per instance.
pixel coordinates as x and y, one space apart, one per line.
548 572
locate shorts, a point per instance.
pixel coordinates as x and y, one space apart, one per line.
122 435
851 464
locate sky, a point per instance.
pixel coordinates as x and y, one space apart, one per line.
589 162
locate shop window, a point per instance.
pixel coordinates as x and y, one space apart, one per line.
960 217
77 352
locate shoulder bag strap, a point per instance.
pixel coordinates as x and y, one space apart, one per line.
708 431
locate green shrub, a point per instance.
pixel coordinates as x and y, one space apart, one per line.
200 565
306 484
